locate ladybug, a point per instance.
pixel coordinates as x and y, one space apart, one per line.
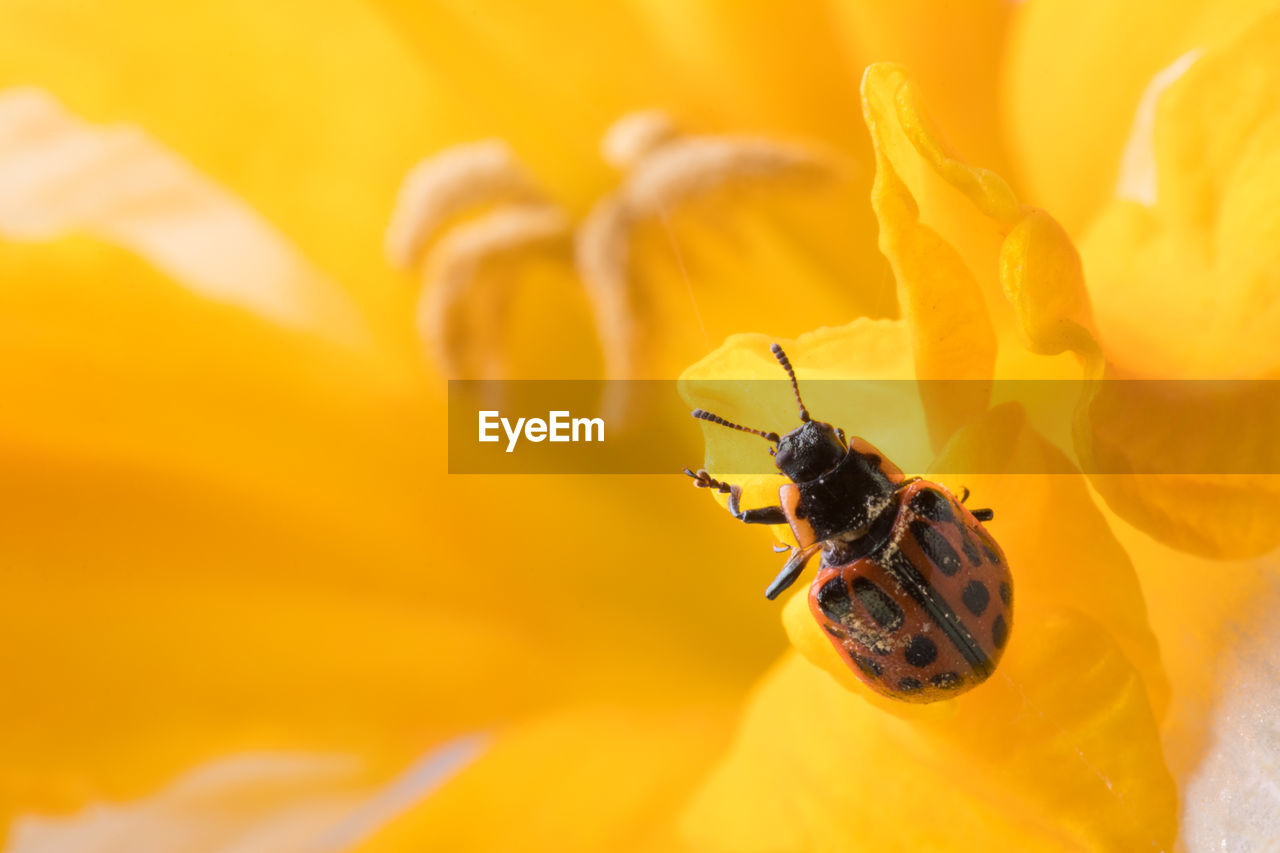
913 592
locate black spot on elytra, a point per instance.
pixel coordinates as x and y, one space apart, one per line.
909 685
999 631
935 547
975 597
939 611
887 613
921 651
868 665
988 545
834 631
931 504
1006 594
946 680
833 599
970 550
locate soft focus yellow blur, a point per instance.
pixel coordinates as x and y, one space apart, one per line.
246 607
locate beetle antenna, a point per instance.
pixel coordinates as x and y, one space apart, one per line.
795 386
704 415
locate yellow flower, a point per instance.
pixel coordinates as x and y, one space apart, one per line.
248 605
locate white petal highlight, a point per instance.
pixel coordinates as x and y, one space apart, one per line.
61 175
1137 180
253 803
1231 802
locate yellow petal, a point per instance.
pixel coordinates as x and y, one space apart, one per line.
585 779
970 207
190 491
952 337
759 70
699 265
775 256
889 94
1040 274
944 315
970 230
1192 431
954 52
1058 750
312 137
1182 272
1204 611
1042 278
1074 76
64 175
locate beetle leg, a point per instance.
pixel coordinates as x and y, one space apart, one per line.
791 570
702 480
980 514
760 515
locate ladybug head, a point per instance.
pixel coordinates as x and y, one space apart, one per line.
809 450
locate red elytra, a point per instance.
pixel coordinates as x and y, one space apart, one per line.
913 592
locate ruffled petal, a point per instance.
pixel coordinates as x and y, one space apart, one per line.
1182 271
1042 277
951 333
1184 497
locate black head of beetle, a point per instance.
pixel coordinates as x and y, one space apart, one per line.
808 451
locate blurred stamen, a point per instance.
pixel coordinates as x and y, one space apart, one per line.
664 170
484 181
633 137
448 184
452 270
505 215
